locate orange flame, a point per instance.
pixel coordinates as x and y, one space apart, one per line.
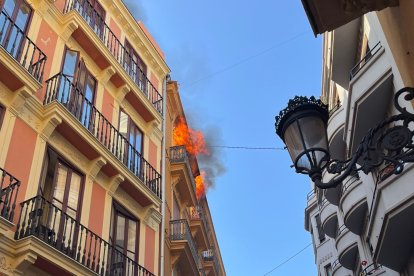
200 185
192 139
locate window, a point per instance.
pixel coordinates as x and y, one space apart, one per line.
135 67
124 236
11 37
61 185
132 147
77 87
328 270
321 234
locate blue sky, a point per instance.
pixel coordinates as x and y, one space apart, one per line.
238 63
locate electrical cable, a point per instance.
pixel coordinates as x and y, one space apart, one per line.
244 60
288 259
244 147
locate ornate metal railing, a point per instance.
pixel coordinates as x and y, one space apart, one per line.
179 231
371 269
20 47
351 180
45 221
335 264
117 49
311 194
9 188
341 230
207 255
333 109
178 154
364 60
60 88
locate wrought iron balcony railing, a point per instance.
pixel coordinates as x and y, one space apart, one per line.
196 213
178 154
20 47
117 49
371 269
180 231
207 255
364 60
9 188
61 88
44 220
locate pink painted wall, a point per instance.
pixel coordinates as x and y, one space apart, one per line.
20 157
152 154
107 105
96 214
149 248
46 41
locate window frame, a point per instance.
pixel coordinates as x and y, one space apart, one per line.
117 208
73 168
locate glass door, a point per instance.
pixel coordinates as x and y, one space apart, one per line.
132 150
66 196
124 237
14 20
78 88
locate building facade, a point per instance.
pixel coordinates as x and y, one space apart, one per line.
81 113
364 226
191 246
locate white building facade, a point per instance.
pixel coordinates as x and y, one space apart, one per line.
364 226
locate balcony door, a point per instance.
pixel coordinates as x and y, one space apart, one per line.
132 148
124 235
62 186
14 20
135 67
78 88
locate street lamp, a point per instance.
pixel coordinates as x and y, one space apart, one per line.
302 126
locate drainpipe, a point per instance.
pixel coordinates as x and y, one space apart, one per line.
163 157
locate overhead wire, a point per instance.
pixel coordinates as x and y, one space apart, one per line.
244 60
288 259
245 147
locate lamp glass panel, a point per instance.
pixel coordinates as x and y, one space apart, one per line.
315 136
293 140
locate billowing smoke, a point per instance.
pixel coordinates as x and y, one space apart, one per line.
212 163
136 9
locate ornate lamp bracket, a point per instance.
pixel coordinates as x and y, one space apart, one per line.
390 143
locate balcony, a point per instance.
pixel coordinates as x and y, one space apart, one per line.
9 188
369 97
335 130
364 60
339 270
391 224
181 169
344 50
354 204
209 258
347 247
106 44
183 247
22 62
69 241
332 195
329 218
373 270
62 90
199 225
